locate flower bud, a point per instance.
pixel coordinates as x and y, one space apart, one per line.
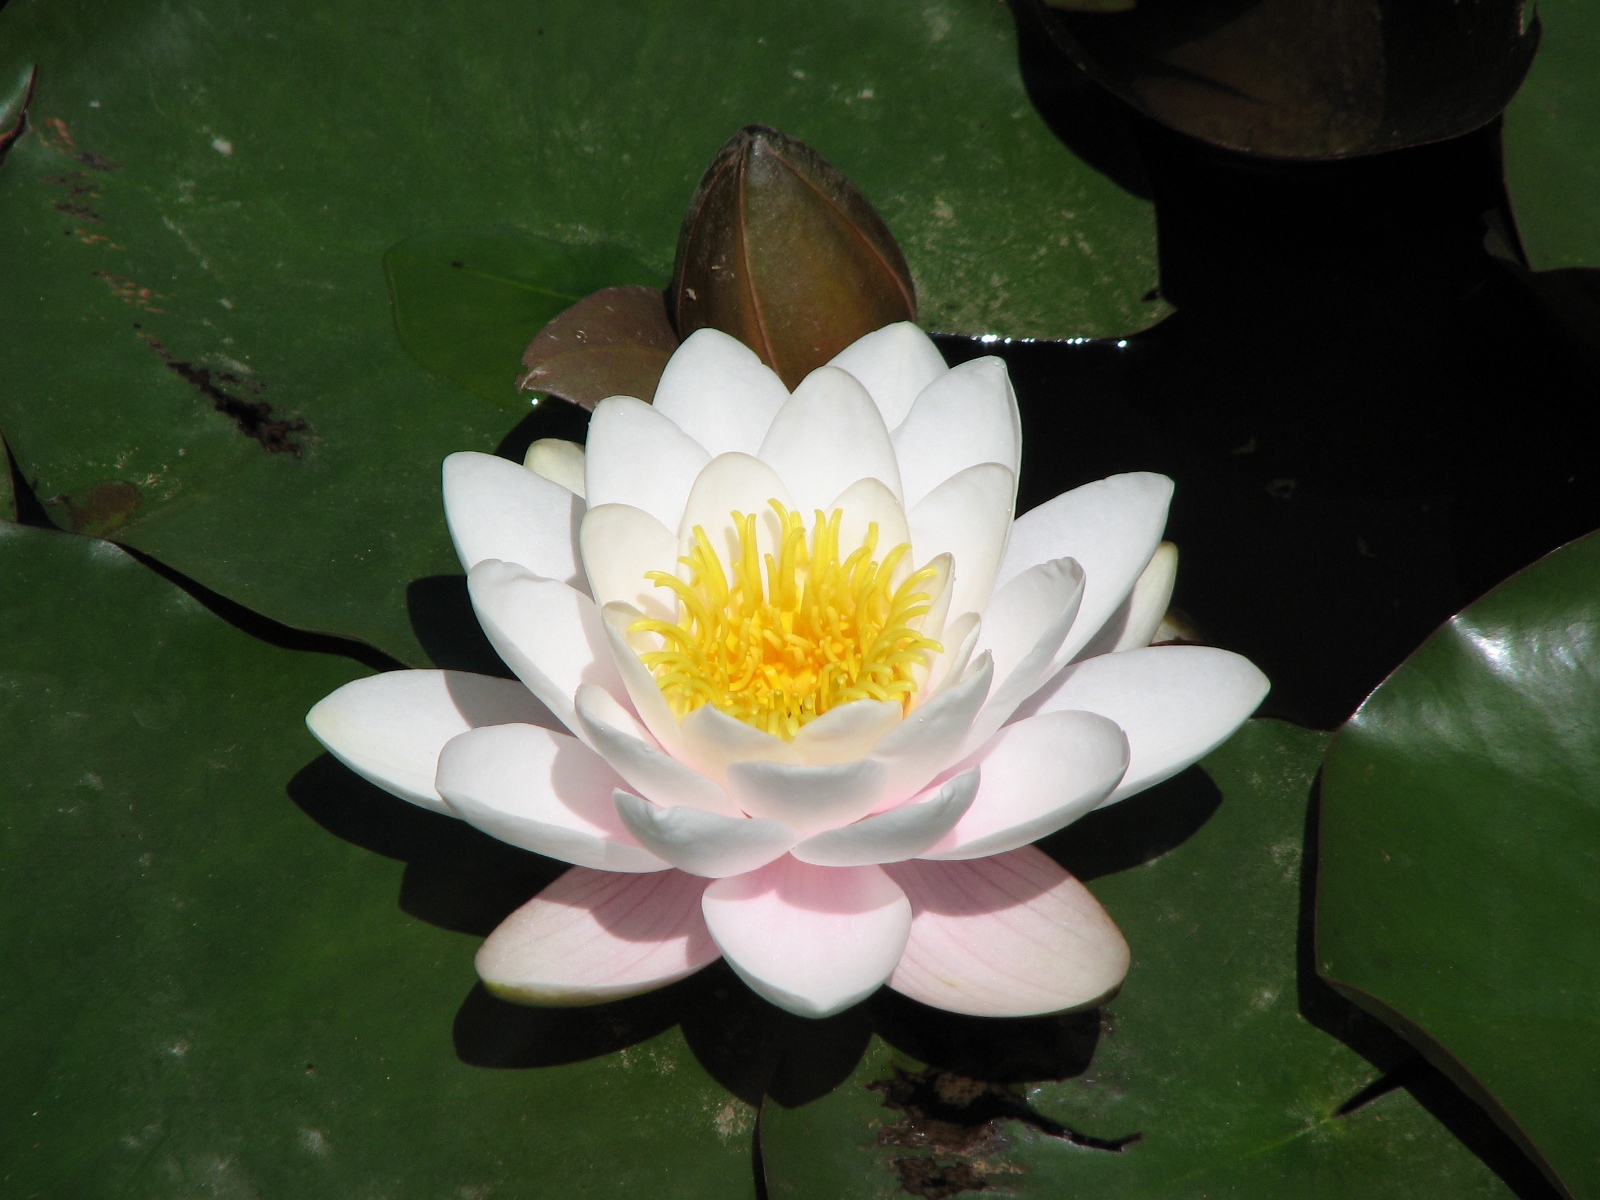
780 251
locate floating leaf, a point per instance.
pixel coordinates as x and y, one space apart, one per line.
1292 79
780 250
465 304
1205 1054
222 178
1457 891
211 992
613 343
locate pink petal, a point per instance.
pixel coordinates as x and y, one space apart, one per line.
543 791
1010 936
1039 775
813 940
593 936
895 835
700 842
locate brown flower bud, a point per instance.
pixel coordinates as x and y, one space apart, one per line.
779 250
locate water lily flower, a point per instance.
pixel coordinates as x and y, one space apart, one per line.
796 690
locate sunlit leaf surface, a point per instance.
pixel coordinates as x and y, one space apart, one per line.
1460 839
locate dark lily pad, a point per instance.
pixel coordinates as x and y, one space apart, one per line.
1460 841
1291 79
207 992
1206 1055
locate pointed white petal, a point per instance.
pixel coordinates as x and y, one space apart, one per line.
931 736
594 936
496 509
389 728
713 740
1175 703
638 456
1010 936
542 791
894 364
617 620
848 732
1134 624
559 461
895 835
700 842
1023 629
813 940
826 437
718 391
551 635
636 756
1039 775
733 483
807 799
968 517
620 544
864 503
1110 527
965 417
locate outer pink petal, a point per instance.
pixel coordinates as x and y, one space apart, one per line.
813 940
593 936
1009 936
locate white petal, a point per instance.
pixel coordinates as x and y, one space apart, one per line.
895 835
1039 775
713 741
1010 936
847 732
813 940
1110 527
894 364
496 509
700 842
635 755
542 791
620 543
967 516
638 456
551 635
864 503
826 437
931 736
559 461
1175 703
967 416
617 620
807 799
389 728
733 483
1023 629
594 936
959 638
1134 624
718 391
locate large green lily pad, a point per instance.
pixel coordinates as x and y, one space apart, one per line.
1205 1053
1460 843
1551 130
194 228
208 993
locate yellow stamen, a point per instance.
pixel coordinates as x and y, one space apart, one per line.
779 647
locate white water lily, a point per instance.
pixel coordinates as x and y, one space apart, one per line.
794 689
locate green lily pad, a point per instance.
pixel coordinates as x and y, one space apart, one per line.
1460 840
208 993
1205 1054
194 229
1551 130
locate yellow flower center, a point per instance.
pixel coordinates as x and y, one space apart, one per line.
779 650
